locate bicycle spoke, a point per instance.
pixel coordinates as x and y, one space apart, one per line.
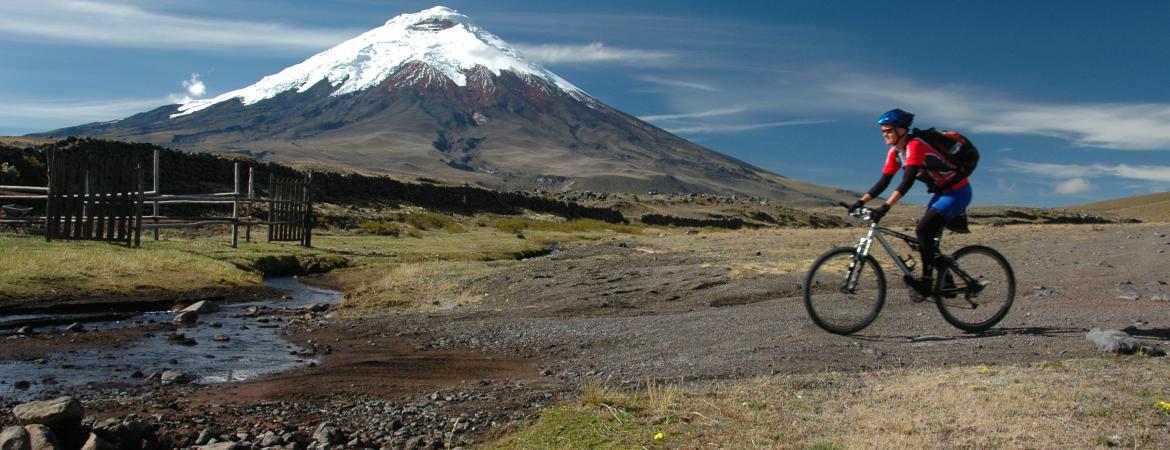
842 297
984 291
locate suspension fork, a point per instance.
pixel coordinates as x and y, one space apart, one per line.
853 276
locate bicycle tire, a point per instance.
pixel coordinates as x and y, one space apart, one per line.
968 309
827 303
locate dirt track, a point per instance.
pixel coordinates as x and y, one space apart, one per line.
701 307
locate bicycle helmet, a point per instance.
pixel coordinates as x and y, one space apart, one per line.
897 118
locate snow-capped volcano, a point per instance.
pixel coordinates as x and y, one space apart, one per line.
432 95
440 37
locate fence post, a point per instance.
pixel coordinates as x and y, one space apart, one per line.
251 198
138 204
307 241
271 204
51 175
156 192
235 203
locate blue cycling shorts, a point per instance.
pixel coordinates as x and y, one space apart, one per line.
952 204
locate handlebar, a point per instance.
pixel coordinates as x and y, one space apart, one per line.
860 213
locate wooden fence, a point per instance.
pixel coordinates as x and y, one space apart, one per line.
95 195
290 210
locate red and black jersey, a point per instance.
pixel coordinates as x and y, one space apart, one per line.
936 171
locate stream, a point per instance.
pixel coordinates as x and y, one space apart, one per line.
241 341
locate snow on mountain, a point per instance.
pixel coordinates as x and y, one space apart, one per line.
440 37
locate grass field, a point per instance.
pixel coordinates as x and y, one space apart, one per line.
1114 402
423 267
35 268
1149 208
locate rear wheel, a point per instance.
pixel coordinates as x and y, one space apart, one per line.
843 297
984 286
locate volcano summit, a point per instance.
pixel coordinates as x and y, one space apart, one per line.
433 95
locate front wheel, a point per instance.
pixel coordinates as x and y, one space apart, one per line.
843 295
976 289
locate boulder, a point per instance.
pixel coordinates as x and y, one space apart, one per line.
202 307
328 434
14 438
61 413
220 446
97 443
41 437
1120 342
175 377
186 317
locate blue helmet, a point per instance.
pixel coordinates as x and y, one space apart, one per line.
897 118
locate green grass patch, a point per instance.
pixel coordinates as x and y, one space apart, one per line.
35 268
432 221
572 226
381 228
605 418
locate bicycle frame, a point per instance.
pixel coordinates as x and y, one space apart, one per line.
878 233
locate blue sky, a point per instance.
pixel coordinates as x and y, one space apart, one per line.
1068 101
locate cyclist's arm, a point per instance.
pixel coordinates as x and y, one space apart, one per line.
878 187
909 174
888 170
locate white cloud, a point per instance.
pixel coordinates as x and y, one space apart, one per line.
591 53
130 25
1069 171
195 87
1073 186
695 115
713 128
678 83
28 116
1117 126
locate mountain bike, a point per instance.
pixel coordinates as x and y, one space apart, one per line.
845 288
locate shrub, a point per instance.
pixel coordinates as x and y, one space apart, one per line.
576 225
432 221
381 228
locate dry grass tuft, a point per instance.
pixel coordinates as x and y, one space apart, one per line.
421 284
1123 402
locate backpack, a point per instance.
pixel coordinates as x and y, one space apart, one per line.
958 150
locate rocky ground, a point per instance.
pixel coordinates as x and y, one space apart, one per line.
626 310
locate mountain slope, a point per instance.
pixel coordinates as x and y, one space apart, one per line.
432 95
1150 207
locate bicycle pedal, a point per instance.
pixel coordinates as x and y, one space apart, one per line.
915 296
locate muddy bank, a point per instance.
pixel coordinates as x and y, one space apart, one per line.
151 299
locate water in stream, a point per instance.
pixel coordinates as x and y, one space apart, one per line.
254 347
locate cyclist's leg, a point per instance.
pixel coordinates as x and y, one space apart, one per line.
942 208
929 228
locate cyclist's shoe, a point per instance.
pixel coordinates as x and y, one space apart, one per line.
919 288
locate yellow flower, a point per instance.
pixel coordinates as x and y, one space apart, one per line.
984 370
1165 406
659 436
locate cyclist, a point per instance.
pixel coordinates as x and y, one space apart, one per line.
918 160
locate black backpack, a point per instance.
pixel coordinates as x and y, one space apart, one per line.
959 150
